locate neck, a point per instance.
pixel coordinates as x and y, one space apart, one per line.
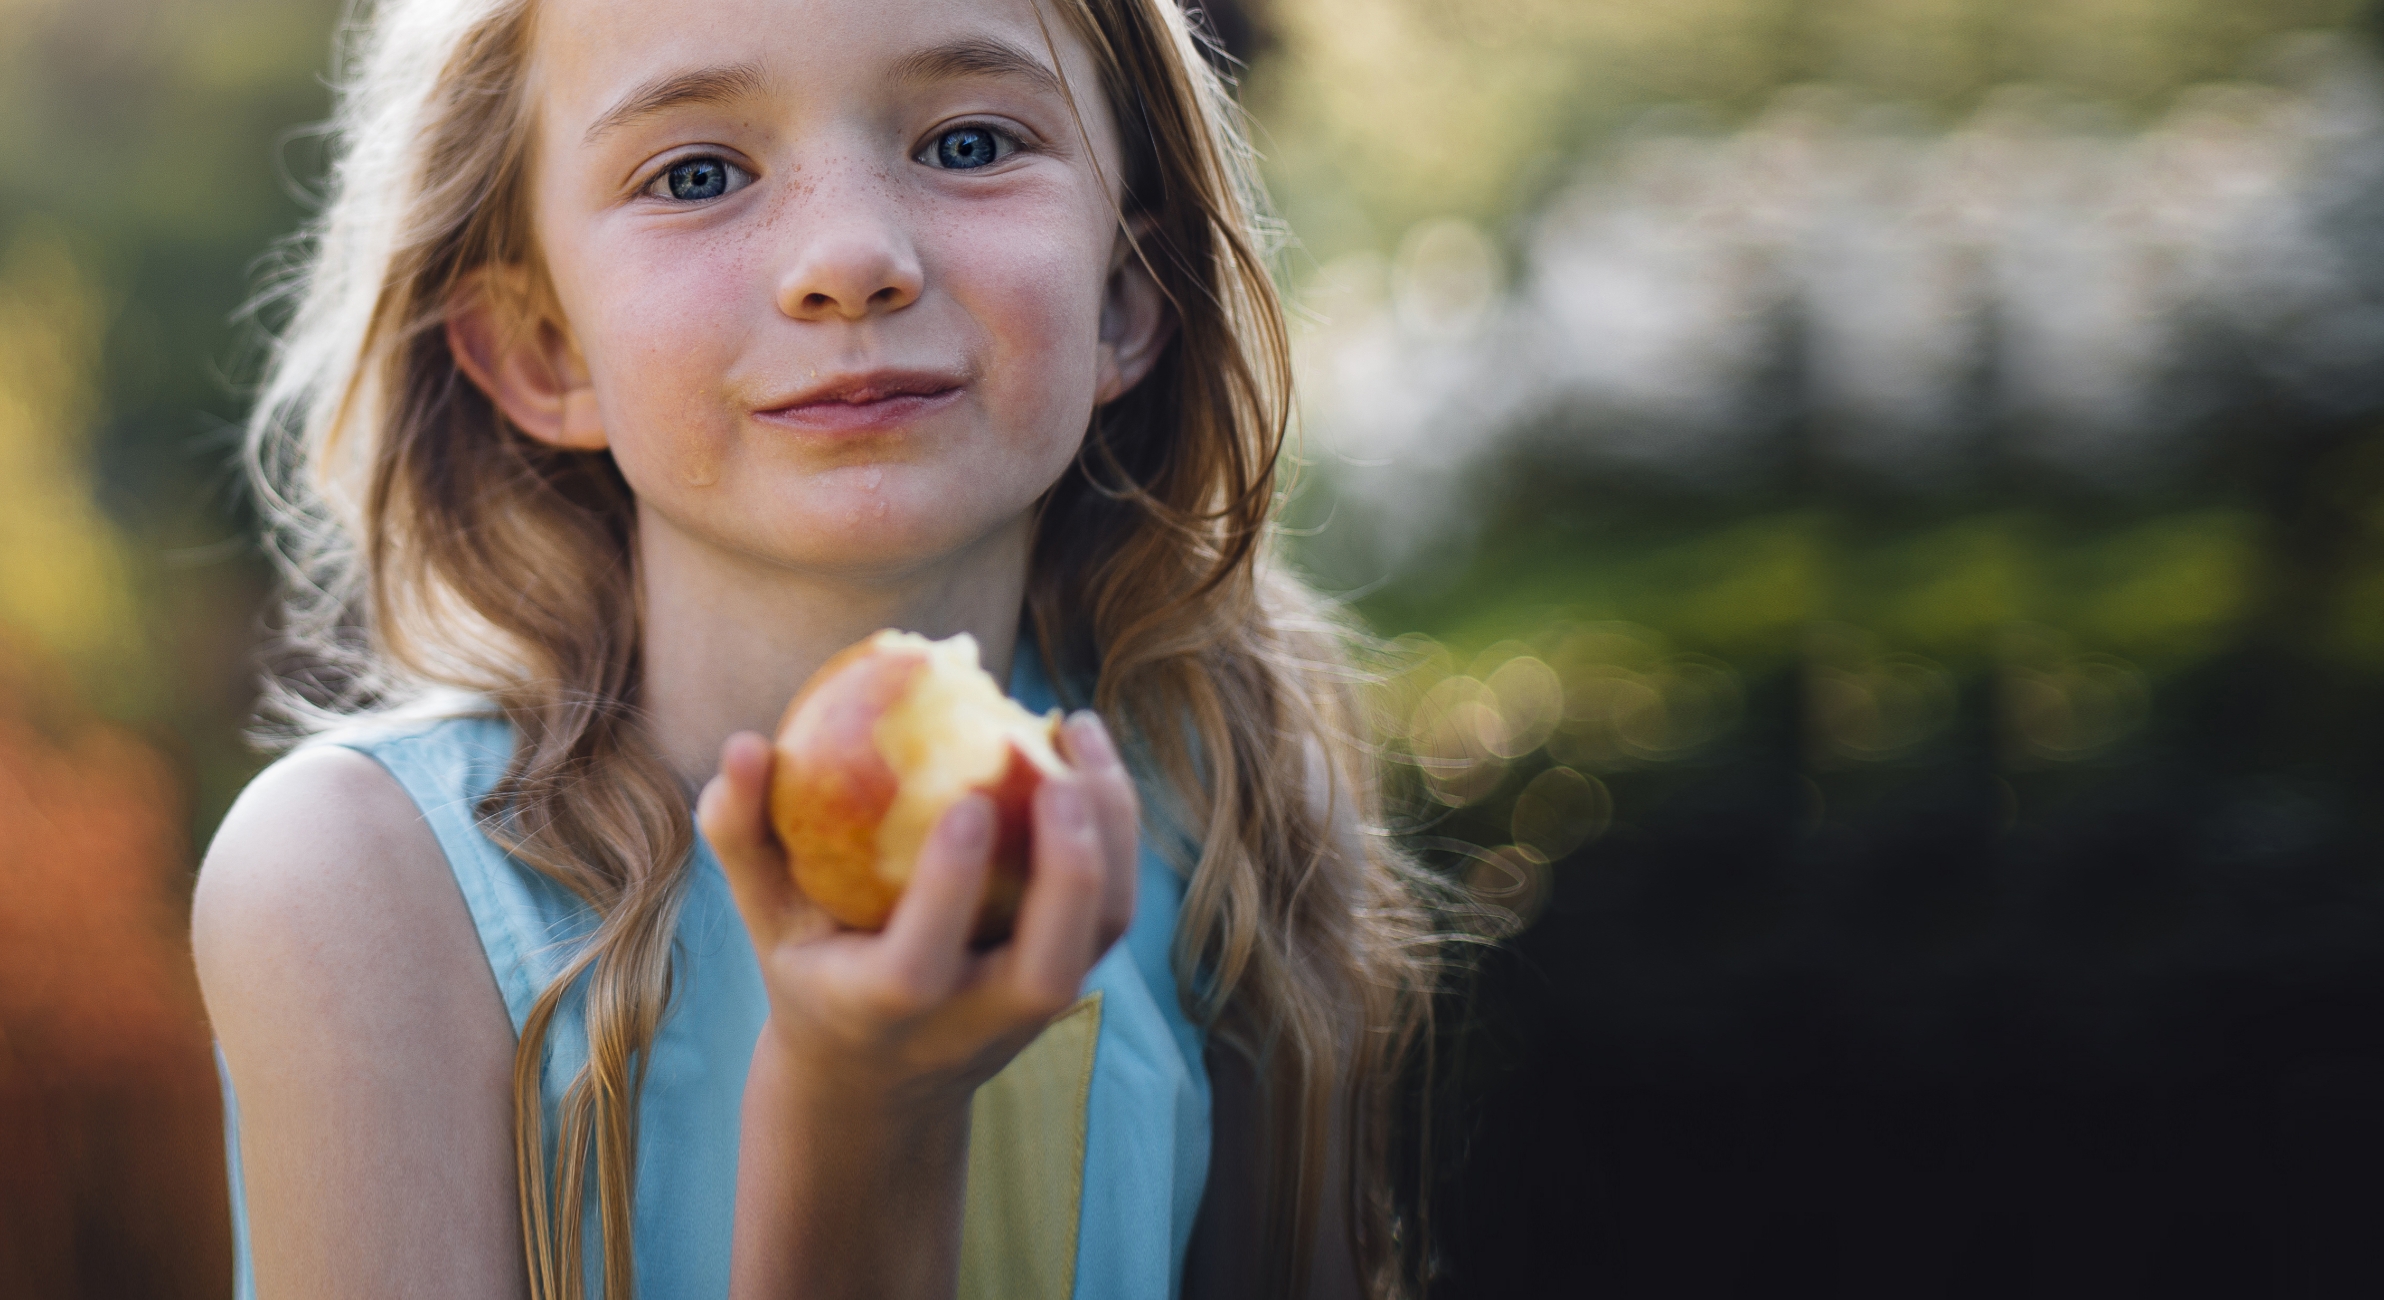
729 639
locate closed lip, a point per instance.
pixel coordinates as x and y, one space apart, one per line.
864 404
868 388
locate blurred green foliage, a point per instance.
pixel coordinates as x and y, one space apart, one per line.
151 153
1377 114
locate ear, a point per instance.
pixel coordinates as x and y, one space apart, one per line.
523 359
1136 321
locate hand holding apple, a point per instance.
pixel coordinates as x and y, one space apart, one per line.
883 1005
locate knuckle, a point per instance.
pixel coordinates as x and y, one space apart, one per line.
714 820
892 997
1080 869
1126 811
1066 852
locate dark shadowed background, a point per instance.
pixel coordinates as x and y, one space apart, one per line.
1879 510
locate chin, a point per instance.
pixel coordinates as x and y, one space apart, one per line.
883 533
861 521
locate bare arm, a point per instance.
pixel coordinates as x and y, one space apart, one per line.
853 1158
366 1039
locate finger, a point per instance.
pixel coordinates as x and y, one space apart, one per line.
926 940
1085 743
732 815
1058 917
1117 810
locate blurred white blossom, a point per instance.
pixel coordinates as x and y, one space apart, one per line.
1839 281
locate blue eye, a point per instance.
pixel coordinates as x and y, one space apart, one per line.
964 148
694 180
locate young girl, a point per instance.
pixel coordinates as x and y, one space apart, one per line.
649 352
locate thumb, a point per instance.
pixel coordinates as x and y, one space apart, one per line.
732 814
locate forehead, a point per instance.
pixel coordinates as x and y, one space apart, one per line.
591 53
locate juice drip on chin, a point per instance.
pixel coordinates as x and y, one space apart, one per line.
871 504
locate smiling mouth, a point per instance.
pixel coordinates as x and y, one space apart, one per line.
878 402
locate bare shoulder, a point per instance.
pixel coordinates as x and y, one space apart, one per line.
368 1045
307 821
324 858
327 925
325 904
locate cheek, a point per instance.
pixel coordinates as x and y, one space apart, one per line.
659 333
1039 303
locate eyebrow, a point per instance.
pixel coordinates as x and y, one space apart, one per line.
978 58
718 86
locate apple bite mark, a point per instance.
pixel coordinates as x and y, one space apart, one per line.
885 738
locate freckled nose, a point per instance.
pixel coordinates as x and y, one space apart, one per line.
851 256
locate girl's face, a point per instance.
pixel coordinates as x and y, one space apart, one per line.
840 281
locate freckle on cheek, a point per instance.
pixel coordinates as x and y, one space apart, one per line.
699 464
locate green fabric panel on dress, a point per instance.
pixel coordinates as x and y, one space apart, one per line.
1026 1165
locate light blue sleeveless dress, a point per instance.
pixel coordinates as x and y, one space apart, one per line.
1110 1106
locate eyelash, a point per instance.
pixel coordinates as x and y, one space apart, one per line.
1010 138
654 186
657 185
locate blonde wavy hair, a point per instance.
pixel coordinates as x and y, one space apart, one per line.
427 544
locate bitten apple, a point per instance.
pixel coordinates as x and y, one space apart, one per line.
883 739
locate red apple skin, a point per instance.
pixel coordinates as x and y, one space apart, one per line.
830 788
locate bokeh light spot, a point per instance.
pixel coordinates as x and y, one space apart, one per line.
1456 734
1510 885
1560 811
1530 702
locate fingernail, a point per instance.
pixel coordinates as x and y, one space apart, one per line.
969 823
1092 739
1067 807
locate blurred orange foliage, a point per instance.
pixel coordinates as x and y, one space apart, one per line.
111 1148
